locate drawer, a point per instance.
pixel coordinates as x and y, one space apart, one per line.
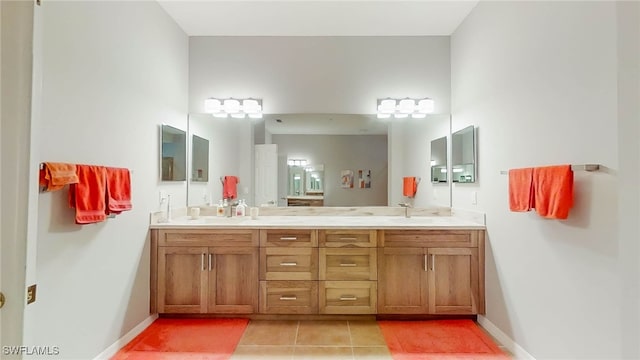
288 297
289 238
348 264
284 263
348 297
347 238
429 238
196 237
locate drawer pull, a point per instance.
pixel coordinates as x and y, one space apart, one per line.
210 261
348 265
288 264
288 298
348 298
289 238
348 239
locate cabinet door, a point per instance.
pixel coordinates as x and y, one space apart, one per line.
233 280
182 279
402 281
453 280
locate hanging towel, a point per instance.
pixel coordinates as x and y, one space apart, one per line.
521 189
553 191
118 190
410 186
54 176
88 195
230 187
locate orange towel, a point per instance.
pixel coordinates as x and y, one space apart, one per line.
230 187
521 189
54 176
118 190
410 186
553 191
88 195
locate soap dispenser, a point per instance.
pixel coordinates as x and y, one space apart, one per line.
220 209
241 209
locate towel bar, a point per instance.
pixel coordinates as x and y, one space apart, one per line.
584 167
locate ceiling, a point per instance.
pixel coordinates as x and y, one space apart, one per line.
318 18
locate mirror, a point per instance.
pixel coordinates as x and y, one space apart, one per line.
199 159
382 150
174 154
296 180
314 179
463 153
439 160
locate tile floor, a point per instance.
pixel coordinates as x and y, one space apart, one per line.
336 340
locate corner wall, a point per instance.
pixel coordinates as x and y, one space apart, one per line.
112 73
540 80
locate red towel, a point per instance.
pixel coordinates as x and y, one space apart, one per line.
521 189
410 186
118 190
88 195
230 187
54 176
553 191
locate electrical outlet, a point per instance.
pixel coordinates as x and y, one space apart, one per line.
474 198
162 194
31 294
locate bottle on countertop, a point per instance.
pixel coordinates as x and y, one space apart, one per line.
241 208
220 209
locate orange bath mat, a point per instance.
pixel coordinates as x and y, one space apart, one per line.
438 339
188 339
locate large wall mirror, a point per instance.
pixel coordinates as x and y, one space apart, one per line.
463 152
383 150
173 155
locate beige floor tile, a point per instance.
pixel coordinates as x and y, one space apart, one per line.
371 353
335 333
322 352
366 333
250 352
270 333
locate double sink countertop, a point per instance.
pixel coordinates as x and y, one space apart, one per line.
320 221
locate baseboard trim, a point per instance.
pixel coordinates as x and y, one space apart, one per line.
124 340
518 351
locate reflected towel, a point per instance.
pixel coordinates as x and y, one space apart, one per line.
118 190
410 186
553 191
88 195
230 187
54 176
521 189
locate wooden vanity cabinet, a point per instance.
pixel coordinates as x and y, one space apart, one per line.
348 271
204 271
431 272
288 271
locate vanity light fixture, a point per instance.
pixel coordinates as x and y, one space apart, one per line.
236 108
403 108
297 162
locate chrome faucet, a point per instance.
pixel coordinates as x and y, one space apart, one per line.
406 207
228 208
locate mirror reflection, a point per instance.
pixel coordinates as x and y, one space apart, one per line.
439 160
199 159
174 154
377 152
463 155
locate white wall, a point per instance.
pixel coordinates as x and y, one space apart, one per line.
319 74
337 153
112 73
539 79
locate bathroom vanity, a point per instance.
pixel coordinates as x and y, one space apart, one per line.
318 265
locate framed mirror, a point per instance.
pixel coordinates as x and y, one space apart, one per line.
314 184
439 160
199 159
173 157
296 180
463 154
